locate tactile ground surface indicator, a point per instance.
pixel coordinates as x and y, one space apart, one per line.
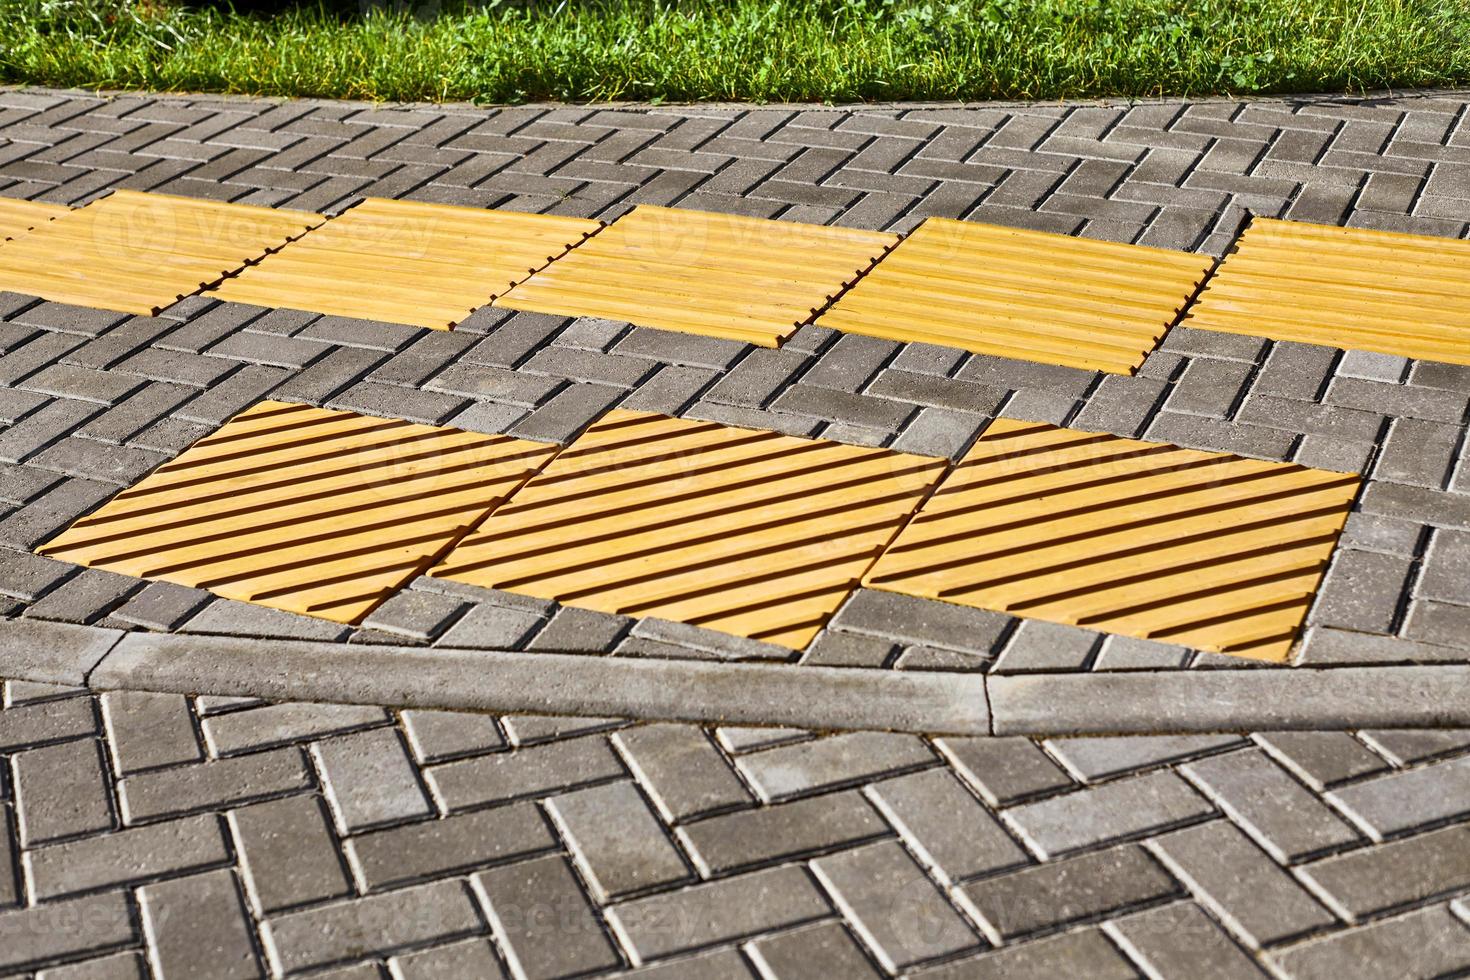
1008 292
138 253
428 265
1343 287
1140 538
723 275
753 533
19 217
304 509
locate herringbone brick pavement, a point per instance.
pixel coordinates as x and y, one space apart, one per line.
1179 175
154 834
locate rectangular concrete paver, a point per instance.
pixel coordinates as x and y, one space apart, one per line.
197 927
541 946
618 843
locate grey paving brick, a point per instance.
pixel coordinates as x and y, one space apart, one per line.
1003 770
757 377
61 791
49 931
1373 366
1099 757
536 945
1035 899
1151 939
908 619
197 927
1321 759
831 649
236 392
281 723
213 784
118 966
85 384
287 854
718 911
484 626
567 413
573 630
723 645
789 771
1429 942
1036 646
1256 899
1445 573
430 848
1399 802
903 917
1411 870
539 770
369 779
84 598
243 618
1435 405
1361 592
44 721
1278 812
808 953
469 958
417 615
1407 746
681 771
328 934
43 427
680 348
944 826
616 840
1131 653
435 736
26 576
138 854
1419 452
1293 370
1109 811
161 605
340 369
749 837
1084 952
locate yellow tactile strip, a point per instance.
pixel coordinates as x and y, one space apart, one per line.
428 265
137 253
1343 287
754 533
1144 539
304 509
18 217
1031 295
747 279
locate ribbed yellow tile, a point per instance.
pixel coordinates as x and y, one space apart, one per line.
1030 295
1343 287
721 275
304 509
1023 294
1141 538
18 217
137 253
753 533
429 265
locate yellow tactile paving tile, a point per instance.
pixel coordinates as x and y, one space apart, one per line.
1008 292
747 279
1343 287
1145 539
304 509
754 533
428 265
18 217
137 253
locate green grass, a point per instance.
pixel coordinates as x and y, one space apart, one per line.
749 50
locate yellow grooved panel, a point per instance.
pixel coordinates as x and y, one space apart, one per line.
137 253
1140 538
1343 287
428 265
1008 292
746 279
752 533
18 217
304 509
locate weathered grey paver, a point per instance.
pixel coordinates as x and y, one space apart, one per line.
197 927
1128 807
